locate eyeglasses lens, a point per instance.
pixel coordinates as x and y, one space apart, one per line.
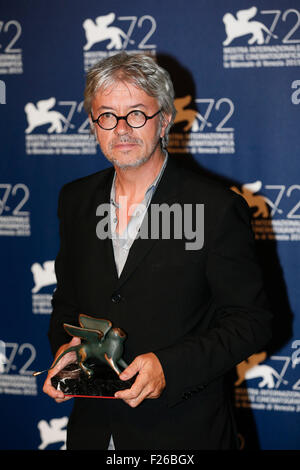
107 121
133 119
136 119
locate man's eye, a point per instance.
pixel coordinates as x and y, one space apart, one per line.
107 115
136 113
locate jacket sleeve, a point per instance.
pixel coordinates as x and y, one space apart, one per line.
64 298
241 321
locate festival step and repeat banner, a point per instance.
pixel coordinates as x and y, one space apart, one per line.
235 67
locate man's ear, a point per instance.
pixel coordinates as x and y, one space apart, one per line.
165 122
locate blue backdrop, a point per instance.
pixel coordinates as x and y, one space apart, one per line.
235 66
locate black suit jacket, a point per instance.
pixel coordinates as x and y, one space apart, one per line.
201 312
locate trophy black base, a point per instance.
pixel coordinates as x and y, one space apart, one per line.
104 383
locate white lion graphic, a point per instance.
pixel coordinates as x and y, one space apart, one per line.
99 31
250 369
190 116
53 432
260 202
43 275
240 26
248 191
40 114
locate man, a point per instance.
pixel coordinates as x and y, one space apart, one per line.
192 310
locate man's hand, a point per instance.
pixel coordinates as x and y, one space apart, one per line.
68 358
149 383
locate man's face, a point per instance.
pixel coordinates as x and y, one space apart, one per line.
125 146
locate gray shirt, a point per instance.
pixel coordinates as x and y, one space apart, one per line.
123 242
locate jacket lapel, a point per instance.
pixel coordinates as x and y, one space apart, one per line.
104 248
165 193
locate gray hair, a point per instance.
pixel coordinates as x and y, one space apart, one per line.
139 69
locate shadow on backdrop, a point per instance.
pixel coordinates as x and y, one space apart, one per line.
274 282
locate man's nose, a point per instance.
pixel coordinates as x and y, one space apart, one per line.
122 127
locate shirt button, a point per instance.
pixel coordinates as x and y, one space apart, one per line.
116 298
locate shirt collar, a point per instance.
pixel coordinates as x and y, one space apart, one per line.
150 189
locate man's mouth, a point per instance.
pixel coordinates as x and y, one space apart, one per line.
125 144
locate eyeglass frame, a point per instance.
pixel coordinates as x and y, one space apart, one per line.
118 118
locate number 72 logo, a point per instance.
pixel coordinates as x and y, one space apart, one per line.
13 191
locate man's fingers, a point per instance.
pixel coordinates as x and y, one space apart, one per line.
51 391
134 400
149 382
140 390
62 400
57 395
134 391
68 358
131 370
132 397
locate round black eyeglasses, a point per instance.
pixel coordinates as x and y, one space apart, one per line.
135 119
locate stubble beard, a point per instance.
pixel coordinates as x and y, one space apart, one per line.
139 160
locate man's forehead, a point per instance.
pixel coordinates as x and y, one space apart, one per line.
125 90
120 86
